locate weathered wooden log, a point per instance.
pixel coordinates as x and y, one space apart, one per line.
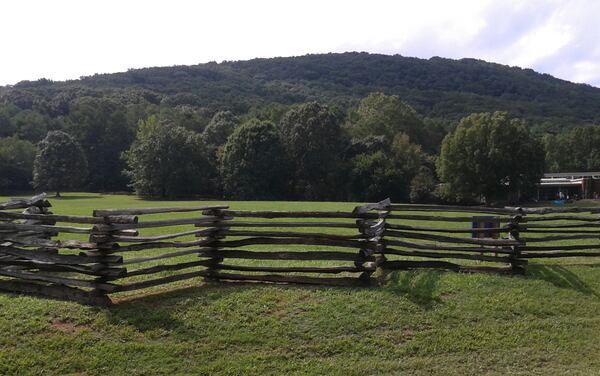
528 255
407 265
288 224
293 214
141 211
441 247
117 248
558 231
162 281
82 269
339 281
296 269
128 219
54 291
392 226
449 239
531 248
37 242
284 255
22 203
381 205
547 218
561 237
452 255
528 227
108 287
170 267
292 241
171 222
131 239
45 228
282 234
436 218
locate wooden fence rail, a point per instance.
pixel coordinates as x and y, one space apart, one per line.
117 250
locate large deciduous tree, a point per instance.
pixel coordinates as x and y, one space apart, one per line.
313 140
168 161
386 115
384 171
575 150
60 163
221 126
254 164
491 157
16 164
102 128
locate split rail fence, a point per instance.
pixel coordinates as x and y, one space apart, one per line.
87 258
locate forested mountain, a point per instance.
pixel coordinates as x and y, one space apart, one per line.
437 88
352 126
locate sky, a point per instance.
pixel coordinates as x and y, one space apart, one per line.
63 39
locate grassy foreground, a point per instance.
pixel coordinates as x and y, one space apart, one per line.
419 323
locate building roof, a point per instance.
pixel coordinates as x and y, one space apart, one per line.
572 175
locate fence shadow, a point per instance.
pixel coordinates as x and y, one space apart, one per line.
417 286
157 311
561 277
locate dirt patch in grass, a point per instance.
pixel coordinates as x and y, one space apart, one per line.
68 327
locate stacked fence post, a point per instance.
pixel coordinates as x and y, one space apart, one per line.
518 265
103 236
218 228
372 231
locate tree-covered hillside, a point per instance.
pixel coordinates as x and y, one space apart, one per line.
437 88
348 126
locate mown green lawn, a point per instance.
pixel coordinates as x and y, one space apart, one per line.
425 322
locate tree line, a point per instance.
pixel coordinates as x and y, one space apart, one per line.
380 148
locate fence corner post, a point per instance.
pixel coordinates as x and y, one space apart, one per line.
213 245
372 256
518 265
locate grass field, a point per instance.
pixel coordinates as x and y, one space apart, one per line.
425 322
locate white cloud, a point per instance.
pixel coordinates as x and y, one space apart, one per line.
63 39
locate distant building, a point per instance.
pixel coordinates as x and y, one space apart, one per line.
569 185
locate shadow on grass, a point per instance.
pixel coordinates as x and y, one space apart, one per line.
417 286
560 277
158 311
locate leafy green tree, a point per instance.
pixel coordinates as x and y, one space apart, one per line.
190 117
422 186
575 150
30 125
490 156
16 164
7 128
221 126
386 172
386 115
313 140
101 127
254 164
168 161
59 164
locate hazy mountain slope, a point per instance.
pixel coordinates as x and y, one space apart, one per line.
438 88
